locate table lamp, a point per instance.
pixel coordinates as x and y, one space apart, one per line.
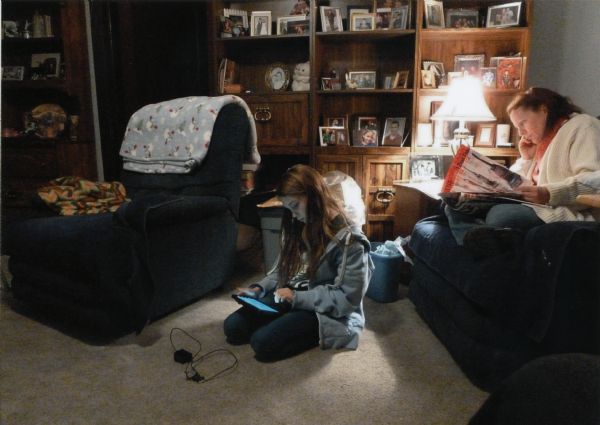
464 102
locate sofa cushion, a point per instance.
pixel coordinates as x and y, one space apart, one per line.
481 280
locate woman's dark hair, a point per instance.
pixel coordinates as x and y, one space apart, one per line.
534 98
308 238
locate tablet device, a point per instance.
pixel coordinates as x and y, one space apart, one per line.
255 304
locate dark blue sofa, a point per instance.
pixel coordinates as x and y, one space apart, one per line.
174 242
495 314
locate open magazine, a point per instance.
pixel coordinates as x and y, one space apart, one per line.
475 181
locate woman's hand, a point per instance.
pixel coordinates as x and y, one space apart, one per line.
285 294
527 148
253 292
535 194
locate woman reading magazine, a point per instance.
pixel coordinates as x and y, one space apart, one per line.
560 155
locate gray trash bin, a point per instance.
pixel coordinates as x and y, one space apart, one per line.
270 225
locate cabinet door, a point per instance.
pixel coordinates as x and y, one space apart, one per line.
380 173
348 164
281 120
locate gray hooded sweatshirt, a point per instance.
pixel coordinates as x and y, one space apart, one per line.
337 290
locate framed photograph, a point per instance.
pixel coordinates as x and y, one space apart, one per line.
462 18
331 19
362 80
425 167
238 20
438 71
362 22
485 136
13 73
283 26
393 131
383 18
508 72
388 81
341 137
399 18
260 23
470 64
401 80
362 10
328 136
277 77
424 134
336 122
453 75
365 137
488 77
427 79
434 14
369 123
45 65
301 7
301 26
504 15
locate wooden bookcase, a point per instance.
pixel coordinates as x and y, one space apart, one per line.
30 161
296 132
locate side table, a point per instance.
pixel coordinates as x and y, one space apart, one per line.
414 201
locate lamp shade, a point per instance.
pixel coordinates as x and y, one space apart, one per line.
464 102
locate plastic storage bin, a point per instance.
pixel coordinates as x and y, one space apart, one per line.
270 224
384 283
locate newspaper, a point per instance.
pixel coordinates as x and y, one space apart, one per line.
476 182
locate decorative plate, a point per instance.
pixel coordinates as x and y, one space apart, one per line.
277 77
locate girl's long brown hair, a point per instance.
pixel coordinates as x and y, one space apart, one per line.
308 238
534 98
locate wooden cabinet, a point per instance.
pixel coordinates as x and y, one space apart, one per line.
384 51
60 46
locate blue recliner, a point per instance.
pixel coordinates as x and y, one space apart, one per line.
172 243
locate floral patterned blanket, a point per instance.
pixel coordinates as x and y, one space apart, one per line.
173 136
76 196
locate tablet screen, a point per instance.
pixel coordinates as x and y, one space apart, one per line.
256 304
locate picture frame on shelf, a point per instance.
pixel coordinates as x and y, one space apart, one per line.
260 23
360 9
424 134
238 20
437 125
364 137
13 73
400 17
401 79
434 14
331 19
387 82
485 137
425 168
301 7
327 136
462 18
341 137
504 15
337 121
383 18
393 131
369 123
283 27
362 80
470 64
326 83
453 75
299 27
508 72
438 71
488 77
362 22
277 77
427 79
45 65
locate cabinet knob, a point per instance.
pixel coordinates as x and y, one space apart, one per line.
262 114
385 195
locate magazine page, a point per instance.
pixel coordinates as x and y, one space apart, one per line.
473 172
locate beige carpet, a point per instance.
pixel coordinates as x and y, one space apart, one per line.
400 374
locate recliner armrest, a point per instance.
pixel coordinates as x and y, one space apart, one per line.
165 209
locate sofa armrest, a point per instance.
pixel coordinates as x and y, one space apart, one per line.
164 209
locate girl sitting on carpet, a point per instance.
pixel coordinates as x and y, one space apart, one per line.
320 280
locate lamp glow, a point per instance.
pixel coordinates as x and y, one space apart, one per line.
464 102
